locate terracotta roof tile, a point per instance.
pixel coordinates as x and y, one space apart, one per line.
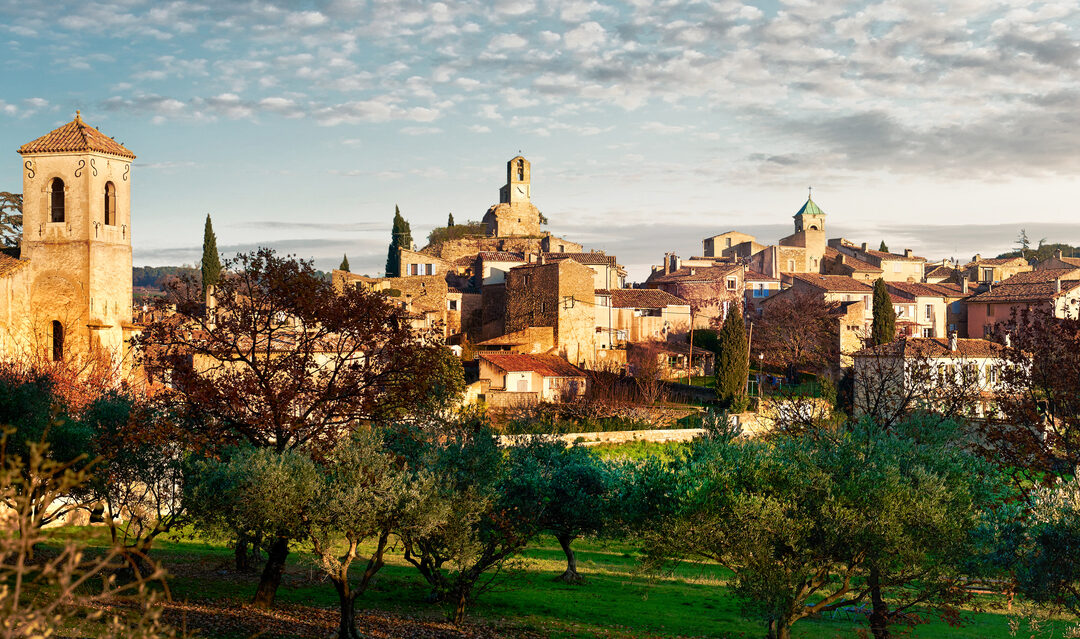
934 347
75 137
998 261
696 274
1045 275
833 283
9 265
920 289
882 255
754 276
583 258
1027 292
501 256
641 298
545 365
855 263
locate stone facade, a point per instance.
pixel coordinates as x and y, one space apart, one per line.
515 215
560 295
69 294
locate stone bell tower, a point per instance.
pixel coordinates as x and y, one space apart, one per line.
515 215
77 241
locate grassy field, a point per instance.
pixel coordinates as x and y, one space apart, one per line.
616 601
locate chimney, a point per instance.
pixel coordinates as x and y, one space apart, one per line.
1057 286
976 258
963 285
952 342
864 247
908 253
1057 254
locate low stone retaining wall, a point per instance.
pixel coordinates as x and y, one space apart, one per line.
615 436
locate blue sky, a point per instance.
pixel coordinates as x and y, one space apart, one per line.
940 126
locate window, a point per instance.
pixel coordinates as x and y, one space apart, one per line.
791 266
929 311
521 170
57 341
414 269
56 200
452 305
429 269
543 307
991 374
110 204
897 267
528 279
927 332
728 242
987 274
731 282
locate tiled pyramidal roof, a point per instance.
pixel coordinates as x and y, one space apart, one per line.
76 137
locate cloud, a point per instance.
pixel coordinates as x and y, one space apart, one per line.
507 41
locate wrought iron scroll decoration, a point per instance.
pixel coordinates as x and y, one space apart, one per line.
82 165
127 169
93 167
30 173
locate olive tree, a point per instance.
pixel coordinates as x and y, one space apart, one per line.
490 518
812 524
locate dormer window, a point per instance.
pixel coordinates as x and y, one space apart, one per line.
110 204
56 200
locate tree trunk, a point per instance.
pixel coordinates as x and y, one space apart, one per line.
459 605
271 574
240 554
879 613
571 575
347 625
778 629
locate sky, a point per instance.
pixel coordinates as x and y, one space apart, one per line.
944 127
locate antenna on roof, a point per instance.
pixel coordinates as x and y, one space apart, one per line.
809 192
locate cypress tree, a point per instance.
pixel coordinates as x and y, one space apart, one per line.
731 363
883 330
211 264
883 248
450 220
400 238
344 263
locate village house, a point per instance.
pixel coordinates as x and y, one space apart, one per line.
943 272
558 294
927 310
1059 261
672 359
983 271
837 263
711 291
427 299
608 273
514 379
534 340
66 292
895 267
925 372
759 287
1053 290
730 244
638 315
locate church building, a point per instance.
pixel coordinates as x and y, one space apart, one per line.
65 293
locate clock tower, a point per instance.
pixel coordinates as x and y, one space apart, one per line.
517 182
515 215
